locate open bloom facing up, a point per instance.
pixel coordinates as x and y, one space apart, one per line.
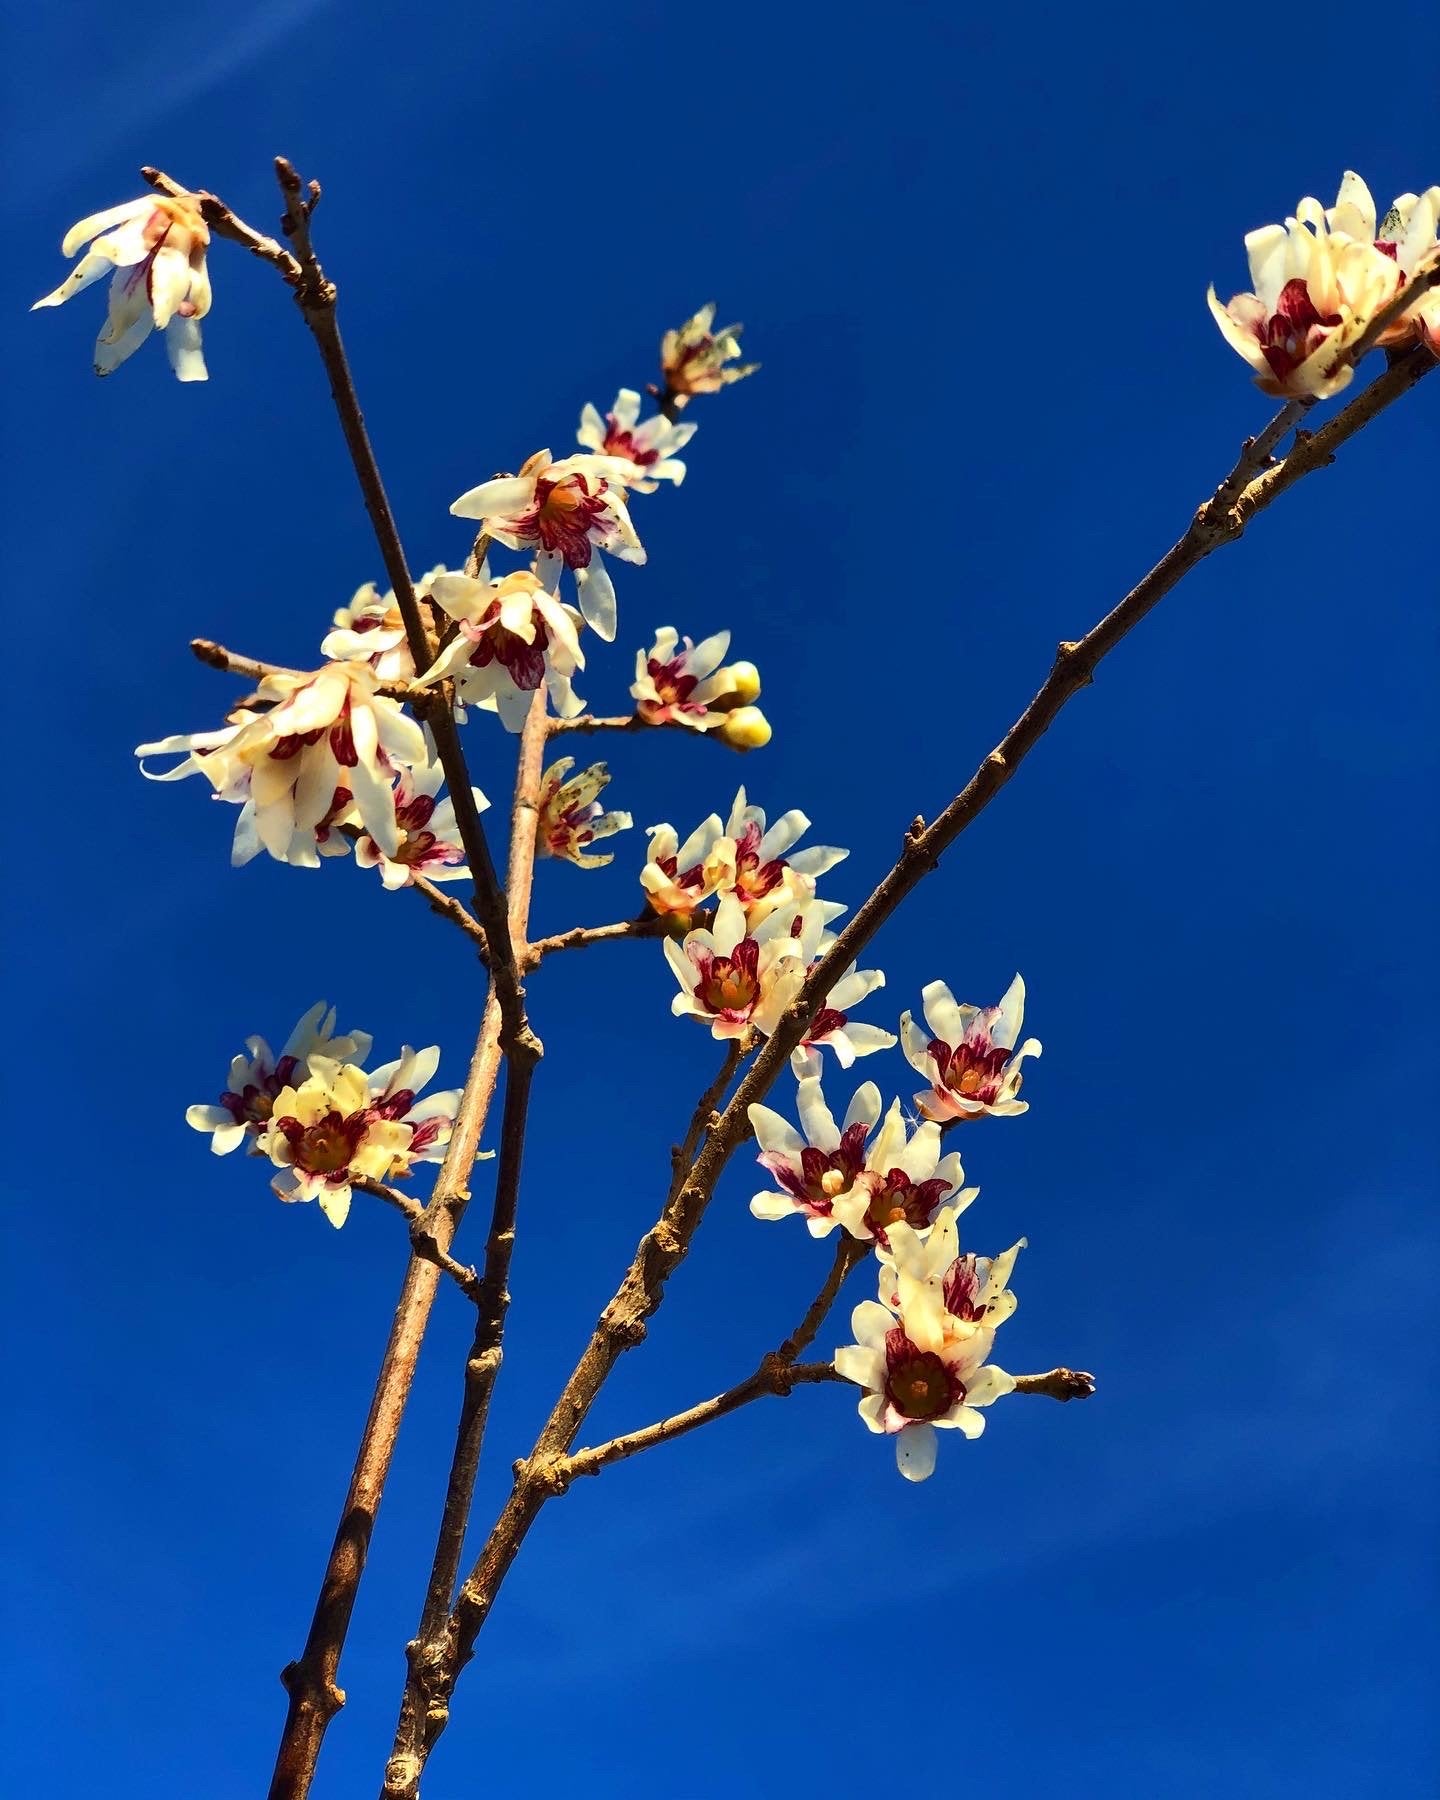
689 686
1408 236
258 1076
969 1056
735 980
155 250
920 1349
698 359
328 743
340 1125
1315 291
564 512
740 857
371 630
514 633
648 450
571 816
429 837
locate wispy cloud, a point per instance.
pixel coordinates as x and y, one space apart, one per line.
106 102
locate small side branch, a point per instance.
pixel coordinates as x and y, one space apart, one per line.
1058 1384
632 722
648 925
465 1278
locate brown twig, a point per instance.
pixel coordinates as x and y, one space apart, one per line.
648 925
1399 302
1058 1384
493 1298
466 1278
231 662
315 295
1218 521
450 908
592 722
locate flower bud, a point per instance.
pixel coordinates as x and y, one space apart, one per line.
734 685
746 728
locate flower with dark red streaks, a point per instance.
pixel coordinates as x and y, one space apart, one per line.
429 836
371 630
819 1172
969 1055
1407 235
340 1124
563 512
255 1079
325 731
921 1365
513 634
698 359
155 251
647 451
1315 291
571 816
680 683
740 857
737 981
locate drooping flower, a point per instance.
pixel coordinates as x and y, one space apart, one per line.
255 1079
648 449
736 980
969 1057
564 512
1315 291
920 1349
370 629
697 359
340 1125
740 857
819 1172
688 686
429 837
571 816
328 735
1407 235
513 634
155 251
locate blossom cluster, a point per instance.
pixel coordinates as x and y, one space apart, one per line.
323 1122
921 1347
1320 278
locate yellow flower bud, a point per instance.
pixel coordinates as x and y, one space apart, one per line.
746 728
745 680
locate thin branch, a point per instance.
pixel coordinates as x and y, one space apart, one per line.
632 722
772 1377
482 1366
450 908
648 925
224 224
1218 521
467 1279
315 295
848 1252
231 662
1399 302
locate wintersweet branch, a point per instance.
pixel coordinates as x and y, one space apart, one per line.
592 722
231 662
493 1298
774 1376
1219 520
647 925
450 908
466 1278
1399 303
315 295
225 225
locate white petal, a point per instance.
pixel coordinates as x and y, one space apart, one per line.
915 1452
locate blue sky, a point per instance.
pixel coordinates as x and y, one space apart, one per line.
972 254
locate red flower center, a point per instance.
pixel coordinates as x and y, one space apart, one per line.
900 1201
620 442
917 1383
563 515
973 1068
326 1147
1294 330
729 986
